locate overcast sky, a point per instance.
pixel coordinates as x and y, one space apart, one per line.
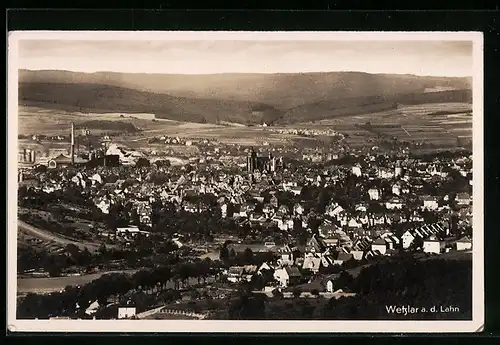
436 58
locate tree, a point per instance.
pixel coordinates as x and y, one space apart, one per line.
142 163
277 294
224 254
344 281
257 282
248 307
296 292
54 269
248 256
162 163
40 168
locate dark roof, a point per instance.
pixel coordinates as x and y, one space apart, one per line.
379 241
344 257
293 271
432 238
308 287
62 159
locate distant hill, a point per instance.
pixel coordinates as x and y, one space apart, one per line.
104 98
239 98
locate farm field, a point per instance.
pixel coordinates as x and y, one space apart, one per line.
440 124
33 120
37 120
437 123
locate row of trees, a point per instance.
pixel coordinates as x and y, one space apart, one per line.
72 301
55 264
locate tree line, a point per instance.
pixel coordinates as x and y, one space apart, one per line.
73 300
403 282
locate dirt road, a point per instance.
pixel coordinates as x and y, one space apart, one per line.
48 236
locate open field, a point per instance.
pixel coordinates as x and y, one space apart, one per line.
34 119
55 122
437 123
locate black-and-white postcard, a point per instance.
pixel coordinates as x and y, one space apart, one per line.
245 182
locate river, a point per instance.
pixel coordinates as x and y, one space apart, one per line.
48 285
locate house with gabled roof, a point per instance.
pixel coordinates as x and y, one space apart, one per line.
374 194
287 276
379 245
342 257
362 243
311 263
249 271
464 243
265 266
298 209
430 202
433 245
283 210
357 254
235 273
332 241
463 199
372 254
315 246
334 209
394 203
286 256
354 223
327 260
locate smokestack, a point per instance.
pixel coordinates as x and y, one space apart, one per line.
72 143
33 156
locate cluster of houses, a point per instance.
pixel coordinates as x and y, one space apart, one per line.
171 140
307 131
241 197
290 263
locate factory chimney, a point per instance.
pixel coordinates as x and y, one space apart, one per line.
72 143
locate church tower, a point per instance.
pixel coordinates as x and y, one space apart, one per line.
251 161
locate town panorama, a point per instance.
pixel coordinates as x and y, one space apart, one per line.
276 196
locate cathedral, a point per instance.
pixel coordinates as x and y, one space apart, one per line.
263 163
